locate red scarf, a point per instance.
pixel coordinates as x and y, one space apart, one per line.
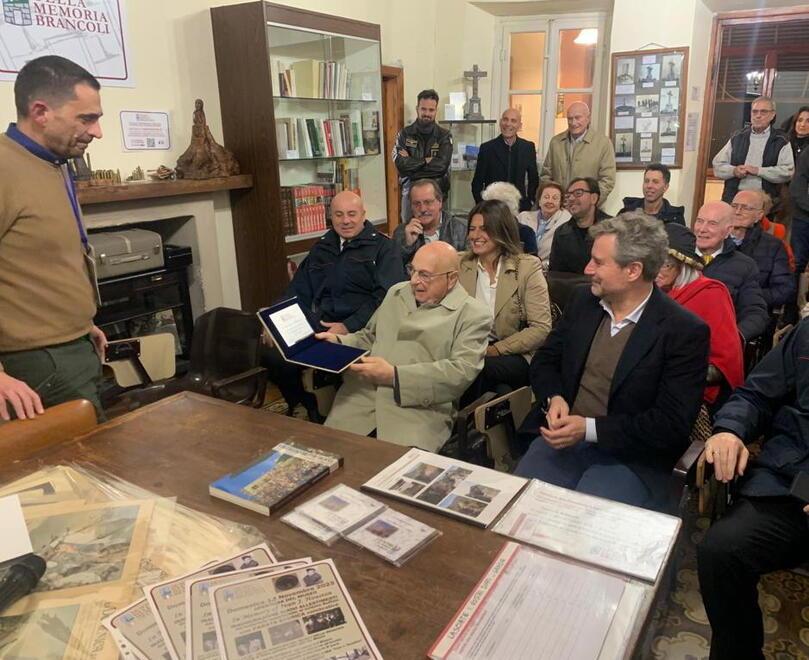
709 299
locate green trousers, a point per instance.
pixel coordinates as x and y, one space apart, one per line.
59 373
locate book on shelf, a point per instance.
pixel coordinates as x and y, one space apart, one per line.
315 137
370 131
305 208
275 478
315 79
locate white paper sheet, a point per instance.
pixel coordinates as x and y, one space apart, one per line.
292 324
617 536
15 541
530 605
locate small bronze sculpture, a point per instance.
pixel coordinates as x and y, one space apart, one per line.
205 158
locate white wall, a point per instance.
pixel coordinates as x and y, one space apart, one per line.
171 46
672 24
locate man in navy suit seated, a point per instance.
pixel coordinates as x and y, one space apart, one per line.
619 381
766 529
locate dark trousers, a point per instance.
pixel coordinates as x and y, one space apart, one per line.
501 374
60 373
285 375
799 240
586 469
757 536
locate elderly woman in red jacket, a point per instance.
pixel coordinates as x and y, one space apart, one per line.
681 277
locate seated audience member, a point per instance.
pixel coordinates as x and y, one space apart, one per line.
430 221
619 381
513 288
427 342
656 180
777 229
681 277
339 285
765 529
570 248
510 196
548 217
735 270
777 281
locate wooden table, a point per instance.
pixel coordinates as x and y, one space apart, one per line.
179 445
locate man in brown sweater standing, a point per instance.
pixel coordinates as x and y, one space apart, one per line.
49 346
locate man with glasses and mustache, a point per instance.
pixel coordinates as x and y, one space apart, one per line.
758 157
570 250
430 222
49 345
427 341
777 281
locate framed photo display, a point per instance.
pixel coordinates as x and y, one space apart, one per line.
647 107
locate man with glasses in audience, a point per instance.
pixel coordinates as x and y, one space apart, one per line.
758 157
777 281
427 341
570 250
430 222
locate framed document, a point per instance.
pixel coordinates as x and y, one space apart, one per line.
647 107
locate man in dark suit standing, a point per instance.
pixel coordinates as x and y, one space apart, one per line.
619 380
508 158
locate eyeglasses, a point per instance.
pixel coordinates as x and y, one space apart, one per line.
424 202
761 112
423 276
577 193
745 208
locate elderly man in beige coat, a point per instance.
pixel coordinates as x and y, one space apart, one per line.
427 342
580 152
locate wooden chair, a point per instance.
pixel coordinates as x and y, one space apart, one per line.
22 437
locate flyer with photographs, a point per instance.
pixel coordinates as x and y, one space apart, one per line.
393 536
200 634
463 490
647 113
601 532
293 615
167 598
341 508
135 631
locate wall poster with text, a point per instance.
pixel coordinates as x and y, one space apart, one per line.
89 32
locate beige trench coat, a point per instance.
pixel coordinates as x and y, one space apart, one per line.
594 156
522 312
437 351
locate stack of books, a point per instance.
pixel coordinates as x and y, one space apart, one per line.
314 79
305 208
314 137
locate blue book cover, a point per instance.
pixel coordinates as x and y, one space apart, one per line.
275 478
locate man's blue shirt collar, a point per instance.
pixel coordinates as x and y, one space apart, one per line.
35 148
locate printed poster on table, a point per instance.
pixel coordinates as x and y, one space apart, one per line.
91 33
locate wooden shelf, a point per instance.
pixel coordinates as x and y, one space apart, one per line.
126 192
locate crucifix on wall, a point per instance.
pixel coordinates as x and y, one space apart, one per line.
473 105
